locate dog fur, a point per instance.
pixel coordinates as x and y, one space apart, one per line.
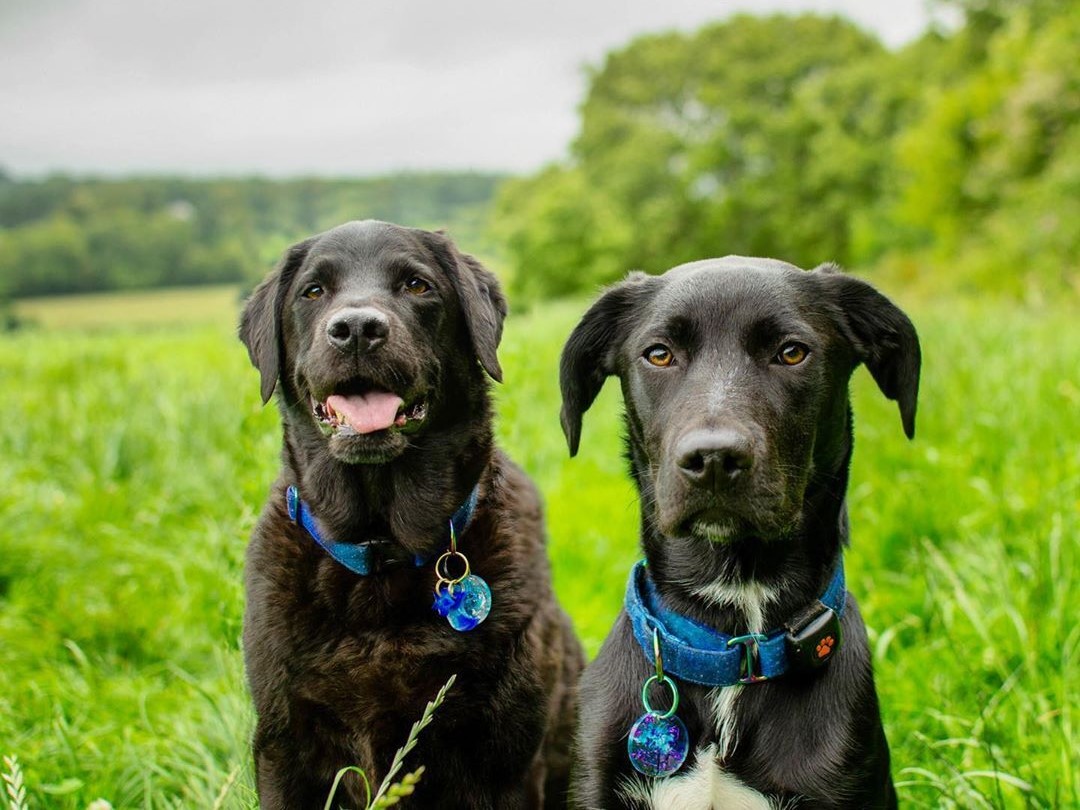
741 461
341 665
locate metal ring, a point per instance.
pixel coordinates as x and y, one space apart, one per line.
657 655
674 696
440 565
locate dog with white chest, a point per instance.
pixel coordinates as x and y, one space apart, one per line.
738 674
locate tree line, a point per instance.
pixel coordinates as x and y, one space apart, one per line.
63 234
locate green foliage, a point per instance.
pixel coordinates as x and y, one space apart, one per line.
699 145
135 462
953 158
701 140
991 174
64 235
563 237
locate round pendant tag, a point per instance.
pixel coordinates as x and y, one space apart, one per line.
658 745
475 604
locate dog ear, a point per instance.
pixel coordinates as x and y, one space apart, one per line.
883 337
485 310
481 297
260 322
588 358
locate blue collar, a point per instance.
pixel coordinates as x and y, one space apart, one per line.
369 557
699 654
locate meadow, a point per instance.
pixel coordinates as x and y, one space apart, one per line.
134 459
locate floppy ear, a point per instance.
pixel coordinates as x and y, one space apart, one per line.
481 297
260 322
883 337
588 358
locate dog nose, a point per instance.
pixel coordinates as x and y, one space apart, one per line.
358 329
713 459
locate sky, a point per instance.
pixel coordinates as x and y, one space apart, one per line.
329 87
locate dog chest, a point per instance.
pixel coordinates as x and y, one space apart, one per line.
703 786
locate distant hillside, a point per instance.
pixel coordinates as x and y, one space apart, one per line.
64 234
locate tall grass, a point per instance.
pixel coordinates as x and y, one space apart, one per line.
134 461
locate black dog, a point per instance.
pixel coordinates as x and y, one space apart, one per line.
377 338
735 376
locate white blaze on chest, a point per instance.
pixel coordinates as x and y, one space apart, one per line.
722 700
702 786
749 598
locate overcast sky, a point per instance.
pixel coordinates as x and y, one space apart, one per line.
325 87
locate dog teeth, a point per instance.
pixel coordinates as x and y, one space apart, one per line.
327 418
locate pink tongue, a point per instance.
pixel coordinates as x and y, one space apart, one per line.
366 413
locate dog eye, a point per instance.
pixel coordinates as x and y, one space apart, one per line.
313 291
791 354
659 356
417 285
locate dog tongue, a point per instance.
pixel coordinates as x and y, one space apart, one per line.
366 413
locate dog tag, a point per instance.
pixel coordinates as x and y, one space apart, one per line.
473 606
658 745
464 599
658 742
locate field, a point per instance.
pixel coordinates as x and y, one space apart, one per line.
134 460
169 307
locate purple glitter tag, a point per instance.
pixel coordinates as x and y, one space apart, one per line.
658 745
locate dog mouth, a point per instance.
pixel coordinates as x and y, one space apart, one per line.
724 527
367 410
715 531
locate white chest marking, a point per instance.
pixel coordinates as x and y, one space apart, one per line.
749 598
723 699
704 786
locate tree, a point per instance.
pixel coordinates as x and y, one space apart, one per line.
560 235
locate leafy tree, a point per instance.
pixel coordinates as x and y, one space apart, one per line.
991 174
560 235
803 138
703 141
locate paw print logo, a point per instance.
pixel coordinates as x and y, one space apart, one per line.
825 647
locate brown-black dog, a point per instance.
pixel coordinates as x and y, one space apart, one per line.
735 376
377 338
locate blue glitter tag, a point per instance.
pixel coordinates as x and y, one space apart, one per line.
474 604
658 745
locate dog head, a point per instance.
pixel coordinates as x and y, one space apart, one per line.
735 376
367 330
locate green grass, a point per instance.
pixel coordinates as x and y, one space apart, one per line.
134 461
215 303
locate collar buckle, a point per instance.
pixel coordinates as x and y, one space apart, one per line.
751 657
